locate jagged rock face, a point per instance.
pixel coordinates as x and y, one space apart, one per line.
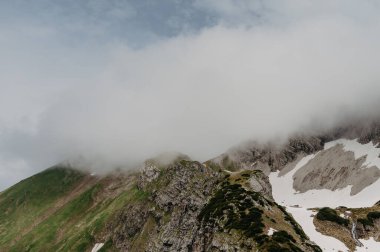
133 219
372 133
275 156
149 172
269 157
194 207
177 194
363 230
189 187
333 169
369 227
363 130
259 182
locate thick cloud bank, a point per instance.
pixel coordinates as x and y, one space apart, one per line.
267 75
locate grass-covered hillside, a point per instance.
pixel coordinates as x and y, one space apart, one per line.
61 209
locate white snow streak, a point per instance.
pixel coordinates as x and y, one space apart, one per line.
271 231
97 247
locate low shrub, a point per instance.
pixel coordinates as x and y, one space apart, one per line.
328 214
282 237
371 216
365 222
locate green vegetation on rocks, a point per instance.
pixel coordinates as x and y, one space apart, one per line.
371 216
329 214
233 207
239 207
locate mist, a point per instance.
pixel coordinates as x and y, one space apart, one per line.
248 75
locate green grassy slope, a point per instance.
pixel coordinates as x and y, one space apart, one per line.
24 202
61 209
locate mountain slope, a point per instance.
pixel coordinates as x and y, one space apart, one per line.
60 209
184 206
344 173
27 202
340 167
328 185
353 226
194 207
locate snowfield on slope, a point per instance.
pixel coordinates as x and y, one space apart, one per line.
284 194
368 246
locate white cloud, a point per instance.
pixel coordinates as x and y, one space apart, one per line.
201 93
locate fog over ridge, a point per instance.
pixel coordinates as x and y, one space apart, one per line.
200 92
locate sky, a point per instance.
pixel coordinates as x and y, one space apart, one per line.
118 81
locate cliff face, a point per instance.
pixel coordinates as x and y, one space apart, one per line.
273 156
333 169
167 219
268 157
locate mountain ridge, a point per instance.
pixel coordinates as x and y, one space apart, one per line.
224 204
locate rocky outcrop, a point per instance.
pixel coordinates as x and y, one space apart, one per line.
132 220
272 156
364 130
368 225
259 182
176 195
149 172
189 184
333 169
194 207
268 157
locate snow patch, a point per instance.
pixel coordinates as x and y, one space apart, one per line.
368 245
284 194
282 187
305 218
271 231
97 247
